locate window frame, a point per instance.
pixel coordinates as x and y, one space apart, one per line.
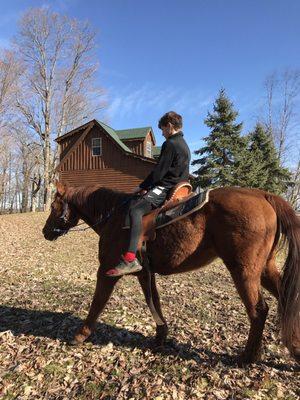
99 146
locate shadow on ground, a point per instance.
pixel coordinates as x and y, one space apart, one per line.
62 326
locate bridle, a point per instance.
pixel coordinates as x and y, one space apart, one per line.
64 213
102 219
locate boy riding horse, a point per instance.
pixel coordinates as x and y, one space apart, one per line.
171 169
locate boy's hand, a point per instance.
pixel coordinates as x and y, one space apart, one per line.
139 190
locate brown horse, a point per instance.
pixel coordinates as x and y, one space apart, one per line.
241 226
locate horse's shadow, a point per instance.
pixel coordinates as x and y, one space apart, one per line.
62 326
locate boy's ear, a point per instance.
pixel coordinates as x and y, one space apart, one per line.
60 187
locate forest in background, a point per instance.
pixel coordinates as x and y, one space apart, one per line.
48 86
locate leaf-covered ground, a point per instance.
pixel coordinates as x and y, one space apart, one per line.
45 292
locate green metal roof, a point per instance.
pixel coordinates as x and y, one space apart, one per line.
114 135
135 133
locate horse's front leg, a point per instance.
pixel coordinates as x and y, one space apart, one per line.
148 284
104 288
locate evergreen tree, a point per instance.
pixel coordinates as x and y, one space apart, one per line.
250 168
219 158
265 171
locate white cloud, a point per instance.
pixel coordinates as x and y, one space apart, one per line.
137 100
111 72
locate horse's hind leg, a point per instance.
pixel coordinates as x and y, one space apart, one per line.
104 288
247 282
148 284
270 278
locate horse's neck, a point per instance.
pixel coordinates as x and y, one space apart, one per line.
93 205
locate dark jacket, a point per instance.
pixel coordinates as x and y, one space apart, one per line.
173 164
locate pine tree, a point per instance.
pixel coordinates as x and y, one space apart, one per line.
250 168
267 173
219 158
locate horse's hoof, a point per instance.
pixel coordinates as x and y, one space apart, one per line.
77 341
82 334
79 338
245 359
161 335
158 348
74 342
159 342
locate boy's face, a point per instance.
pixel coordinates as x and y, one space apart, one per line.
168 130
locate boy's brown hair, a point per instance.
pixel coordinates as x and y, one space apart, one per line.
172 117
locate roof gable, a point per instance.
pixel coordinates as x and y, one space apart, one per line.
73 132
117 135
114 135
111 132
76 143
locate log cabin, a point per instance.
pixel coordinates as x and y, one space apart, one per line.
95 153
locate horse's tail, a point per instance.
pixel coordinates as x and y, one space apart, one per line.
289 291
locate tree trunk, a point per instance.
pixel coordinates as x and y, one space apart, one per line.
47 165
36 185
25 187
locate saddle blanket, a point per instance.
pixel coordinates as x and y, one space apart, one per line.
183 210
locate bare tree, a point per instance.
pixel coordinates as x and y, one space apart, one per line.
282 93
10 71
59 79
29 157
9 170
5 157
36 181
293 195
270 84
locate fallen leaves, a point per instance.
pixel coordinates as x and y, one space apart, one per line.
46 290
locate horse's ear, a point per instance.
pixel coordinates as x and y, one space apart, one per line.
60 187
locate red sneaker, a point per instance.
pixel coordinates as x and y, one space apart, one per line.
125 267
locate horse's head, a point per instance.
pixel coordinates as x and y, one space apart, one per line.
62 217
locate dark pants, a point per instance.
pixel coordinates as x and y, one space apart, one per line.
141 206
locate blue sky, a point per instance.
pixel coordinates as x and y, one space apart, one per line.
157 56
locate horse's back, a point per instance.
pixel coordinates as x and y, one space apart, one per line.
244 208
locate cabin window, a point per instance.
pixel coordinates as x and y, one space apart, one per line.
97 146
149 149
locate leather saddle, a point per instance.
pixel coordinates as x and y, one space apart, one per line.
177 195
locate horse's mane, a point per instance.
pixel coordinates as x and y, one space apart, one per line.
95 200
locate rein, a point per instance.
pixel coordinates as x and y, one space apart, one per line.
102 219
